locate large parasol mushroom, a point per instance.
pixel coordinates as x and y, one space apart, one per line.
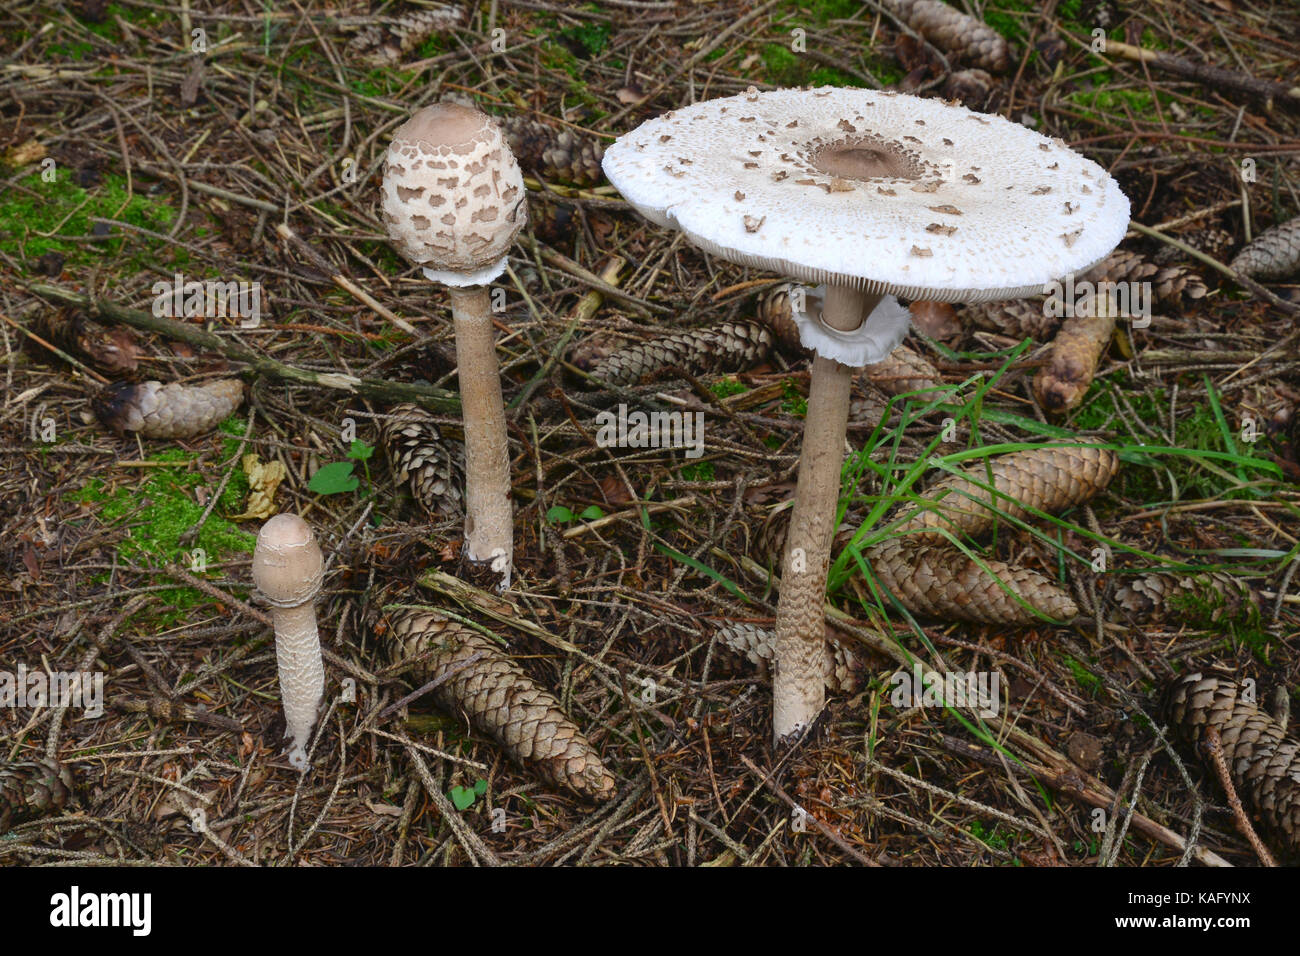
875 195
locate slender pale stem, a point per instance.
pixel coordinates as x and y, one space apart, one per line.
489 524
799 690
302 675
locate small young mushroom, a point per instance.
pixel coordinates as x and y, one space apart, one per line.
874 195
287 569
453 201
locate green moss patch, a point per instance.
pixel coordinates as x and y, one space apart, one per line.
40 217
154 530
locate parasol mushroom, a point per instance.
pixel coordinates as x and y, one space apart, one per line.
287 569
453 201
874 195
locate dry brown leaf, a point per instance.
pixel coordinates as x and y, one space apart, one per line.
263 480
24 154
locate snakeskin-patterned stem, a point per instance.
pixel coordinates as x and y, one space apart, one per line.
798 686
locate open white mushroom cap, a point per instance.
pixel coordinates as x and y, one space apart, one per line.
453 195
884 192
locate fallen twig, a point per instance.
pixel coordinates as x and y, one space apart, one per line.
434 399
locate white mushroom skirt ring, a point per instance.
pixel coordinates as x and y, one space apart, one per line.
872 341
873 194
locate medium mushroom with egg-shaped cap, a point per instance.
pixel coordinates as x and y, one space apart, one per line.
874 195
287 569
453 201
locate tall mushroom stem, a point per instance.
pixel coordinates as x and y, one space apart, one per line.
489 524
798 685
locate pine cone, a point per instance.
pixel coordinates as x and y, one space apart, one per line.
1275 253
955 32
905 370
1264 764
591 351
726 347
1155 595
1212 240
552 222
155 410
936 581
758 646
565 155
30 788
499 699
770 541
420 456
386 44
868 410
1046 479
1023 318
1171 284
944 583
1064 380
110 350
974 89
773 310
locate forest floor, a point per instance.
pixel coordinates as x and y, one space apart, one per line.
127 158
